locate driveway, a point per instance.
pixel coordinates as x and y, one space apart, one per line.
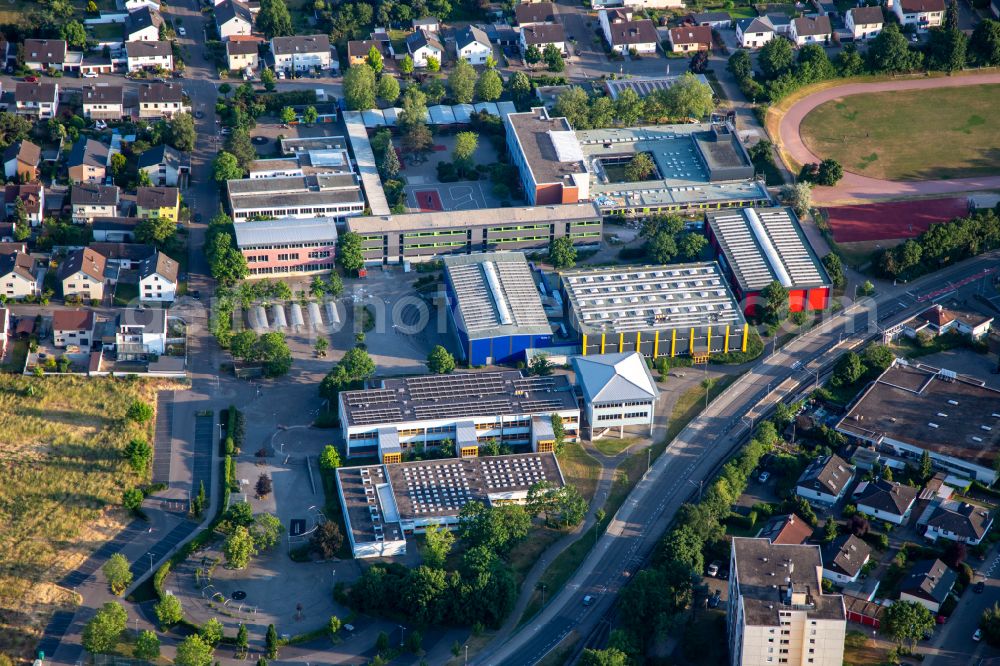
853 187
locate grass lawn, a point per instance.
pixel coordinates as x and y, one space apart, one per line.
863 253
859 650
126 293
902 135
107 31
612 446
580 469
60 500
17 354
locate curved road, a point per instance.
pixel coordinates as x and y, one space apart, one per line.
854 187
694 455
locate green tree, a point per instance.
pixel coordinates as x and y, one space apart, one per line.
350 254
498 528
876 358
847 370
640 167
310 115
138 452
118 164
465 147
101 633
462 82
989 622
798 196
984 47
139 411
433 64
271 642
540 366
519 86
226 168
489 87
849 61
243 344
440 361
406 65
553 58
555 420
830 172
907 622
740 65
926 467
776 58
241 146
193 651
326 540
273 19
182 133
147 646
889 51
168 611
607 657
155 231
382 643
690 98
662 247
533 55
359 87
329 459
212 632
390 163
629 107
144 180
239 548
242 638
288 115
388 88
775 302
682 545
574 105
835 269
132 499
374 60
116 571
266 531
414 642
273 352
691 246
334 625
830 530
438 542
268 78
74 34
562 253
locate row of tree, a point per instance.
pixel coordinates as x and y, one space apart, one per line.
365 84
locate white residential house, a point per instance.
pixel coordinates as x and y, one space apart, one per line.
233 17
17 279
811 30
164 164
958 521
886 500
753 33
33 197
160 100
73 328
424 44
44 54
542 35
142 332
149 55
825 480
301 53
103 102
922 14
939 320
37 100
158 278
844 558
428 23
90 200
472 45
143 25
624 35
864 22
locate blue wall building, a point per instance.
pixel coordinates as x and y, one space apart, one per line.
495 306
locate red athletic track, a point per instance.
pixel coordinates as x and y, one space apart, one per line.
892 220
855 188
428 200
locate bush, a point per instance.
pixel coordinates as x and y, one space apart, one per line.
139 411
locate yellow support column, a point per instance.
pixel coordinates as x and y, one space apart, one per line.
708 348
673 343
656 345
602 342
746 334
691 342
725 341
621 342
584 350
638 341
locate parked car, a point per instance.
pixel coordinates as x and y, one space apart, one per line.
713 568
764 476
978 636
588 600
31 79
182 32
90 75
980 587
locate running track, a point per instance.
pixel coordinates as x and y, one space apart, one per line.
853 187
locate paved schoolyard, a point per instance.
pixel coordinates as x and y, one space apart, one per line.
424 192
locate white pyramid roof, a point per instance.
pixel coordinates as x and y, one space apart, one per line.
610 377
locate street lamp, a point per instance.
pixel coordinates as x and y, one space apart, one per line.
466 654
150 561
700 484
401 630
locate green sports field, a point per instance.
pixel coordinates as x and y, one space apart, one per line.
910 135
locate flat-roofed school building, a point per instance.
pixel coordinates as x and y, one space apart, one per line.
548 157
388 239
462 410
383 504
336 196
495 307
675 310
757 246
287 246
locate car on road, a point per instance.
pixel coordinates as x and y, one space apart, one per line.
978 636
90 75
713 568
764 476
31 79
225 131
588 600
980 587
182 32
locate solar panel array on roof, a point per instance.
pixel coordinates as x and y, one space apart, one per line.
741 250
651 297
791 247
455 386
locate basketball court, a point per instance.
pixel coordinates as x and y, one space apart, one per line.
467 195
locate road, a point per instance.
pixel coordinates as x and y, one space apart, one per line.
952 644
854 187
693 455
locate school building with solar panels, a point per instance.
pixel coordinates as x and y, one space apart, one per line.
461 410
383 504
757 246
674 310
495 307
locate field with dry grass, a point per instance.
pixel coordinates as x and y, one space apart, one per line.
61 443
